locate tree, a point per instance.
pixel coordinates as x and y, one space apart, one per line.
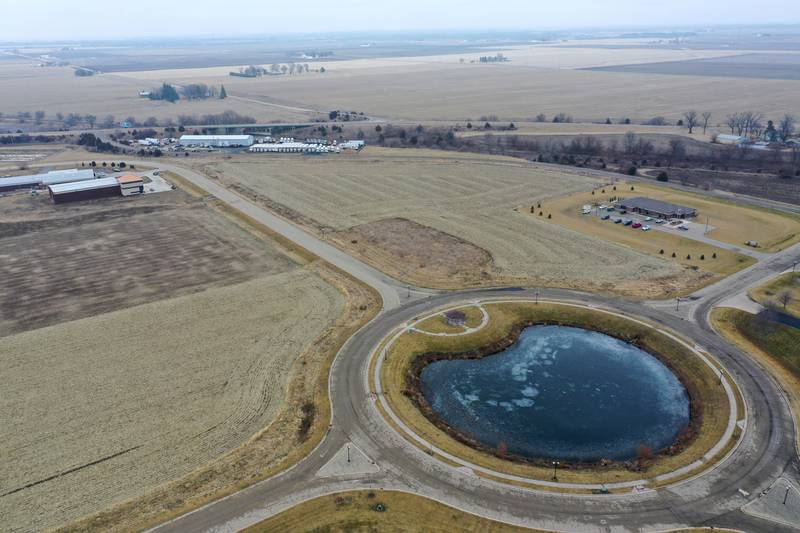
322 70
706 118
785 298
690 120
786 127
91 120
38 117
109 121
771 134
223 94
732 121
378 128
677 150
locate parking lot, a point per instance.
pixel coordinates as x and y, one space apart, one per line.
696 229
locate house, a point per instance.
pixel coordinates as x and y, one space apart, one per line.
131 185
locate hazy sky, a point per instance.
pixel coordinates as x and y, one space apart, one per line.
83 19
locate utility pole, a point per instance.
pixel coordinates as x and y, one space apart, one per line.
677 302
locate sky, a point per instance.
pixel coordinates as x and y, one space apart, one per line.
27 20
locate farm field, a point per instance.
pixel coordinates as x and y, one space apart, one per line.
776 66
122 374
465 198
71 261
538 79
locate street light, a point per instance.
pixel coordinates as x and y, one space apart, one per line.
536 293
555 469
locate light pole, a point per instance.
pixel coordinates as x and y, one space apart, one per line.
677 302
786 495
536 293
794 266
348 453
555 470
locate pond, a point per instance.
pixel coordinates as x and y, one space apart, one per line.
561 393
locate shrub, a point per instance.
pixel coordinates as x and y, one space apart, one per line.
674 255
662 176
632 170
661 251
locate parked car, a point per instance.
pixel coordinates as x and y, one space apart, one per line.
648 219
637 225
605 217
611 209
659 221
617 220
645 228
623 212
627 222
683 228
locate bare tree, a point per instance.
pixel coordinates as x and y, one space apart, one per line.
39 117
732 121
706 118
786 127
677 150
690 120
785 298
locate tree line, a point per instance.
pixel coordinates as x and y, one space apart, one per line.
192 91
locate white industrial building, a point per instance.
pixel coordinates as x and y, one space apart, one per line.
43 180
217 141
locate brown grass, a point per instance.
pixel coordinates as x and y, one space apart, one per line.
772 292
465 199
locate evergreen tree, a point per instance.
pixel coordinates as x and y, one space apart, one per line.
222 93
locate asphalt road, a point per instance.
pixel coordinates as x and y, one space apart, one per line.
767 451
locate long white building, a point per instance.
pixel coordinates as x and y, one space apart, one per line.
217 141
50 178
293 148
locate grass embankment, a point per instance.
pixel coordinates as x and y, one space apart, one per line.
774 291
297 430
438 323
357 512
773 345
566 212
710 409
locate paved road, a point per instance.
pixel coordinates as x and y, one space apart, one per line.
766 453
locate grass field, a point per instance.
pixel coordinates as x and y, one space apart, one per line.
730 223
123 374
773 345
355 512
701 382
772 292
566 212
465 198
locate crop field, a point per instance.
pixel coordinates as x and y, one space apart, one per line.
469 197
121 372
538 79
102 409
66 262
783 66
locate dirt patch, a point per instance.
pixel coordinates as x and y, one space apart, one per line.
96 257
422 252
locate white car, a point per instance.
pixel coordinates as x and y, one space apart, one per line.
659 221
645 228
648 219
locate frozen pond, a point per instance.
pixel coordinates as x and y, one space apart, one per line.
561 393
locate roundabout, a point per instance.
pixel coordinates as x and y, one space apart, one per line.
431 391
364 450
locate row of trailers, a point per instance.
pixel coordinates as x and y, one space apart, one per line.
75 184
